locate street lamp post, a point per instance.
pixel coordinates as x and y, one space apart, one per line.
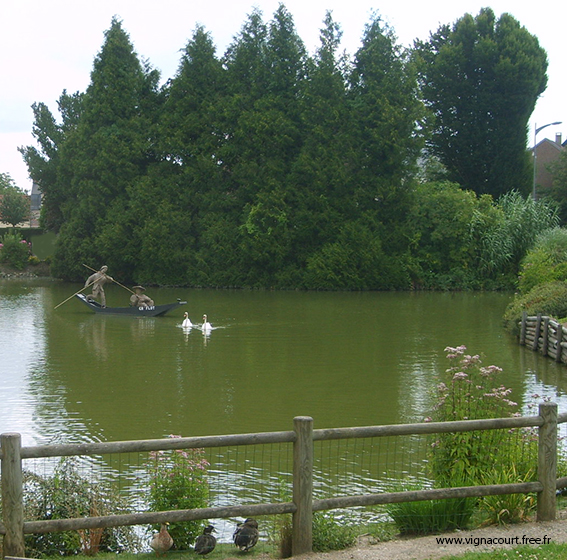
538 129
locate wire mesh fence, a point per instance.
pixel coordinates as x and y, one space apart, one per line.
352 464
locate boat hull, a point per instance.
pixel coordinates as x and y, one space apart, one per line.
153 311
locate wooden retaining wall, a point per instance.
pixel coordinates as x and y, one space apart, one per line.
546 335
303 436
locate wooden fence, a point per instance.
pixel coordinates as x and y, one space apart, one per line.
303 504
544 334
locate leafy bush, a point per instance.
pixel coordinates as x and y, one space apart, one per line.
505 233
14 206
178 480
14 251
440 220
547 299
461 241
546 261
65 494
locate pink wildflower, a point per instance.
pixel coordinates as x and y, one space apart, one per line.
455 352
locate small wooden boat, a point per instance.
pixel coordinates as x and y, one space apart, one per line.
153 311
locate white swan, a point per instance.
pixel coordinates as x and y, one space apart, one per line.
186 322
206 325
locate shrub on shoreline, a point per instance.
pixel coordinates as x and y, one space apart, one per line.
547 299
66 494
14 251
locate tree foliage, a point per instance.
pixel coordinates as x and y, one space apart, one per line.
265 166
558 191
14 206
546 261
6 181
14 203
481 79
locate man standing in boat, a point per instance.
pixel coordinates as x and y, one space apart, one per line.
139 299
97 281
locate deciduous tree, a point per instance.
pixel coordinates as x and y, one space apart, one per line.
558 191
481 79
6 181
14 206
44 161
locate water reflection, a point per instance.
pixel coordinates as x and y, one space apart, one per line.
346 359
22 347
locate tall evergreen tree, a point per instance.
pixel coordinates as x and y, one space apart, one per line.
109 149
191 135
264 72
264 137
320 184
387 118
481 79
379 154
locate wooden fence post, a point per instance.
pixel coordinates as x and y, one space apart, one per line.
545 343
559 340
12 494
547 462
535 344
302 529
523 328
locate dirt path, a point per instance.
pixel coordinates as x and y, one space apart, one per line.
430 548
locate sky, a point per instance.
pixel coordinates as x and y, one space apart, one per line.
47 46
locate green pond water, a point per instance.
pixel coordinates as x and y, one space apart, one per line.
346 359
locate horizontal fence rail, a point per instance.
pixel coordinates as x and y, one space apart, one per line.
303 504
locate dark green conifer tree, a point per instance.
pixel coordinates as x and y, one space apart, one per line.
106 153
191 136
387 117
320 185
264 138
384 143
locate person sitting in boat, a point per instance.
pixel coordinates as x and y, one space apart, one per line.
139 299
97 281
